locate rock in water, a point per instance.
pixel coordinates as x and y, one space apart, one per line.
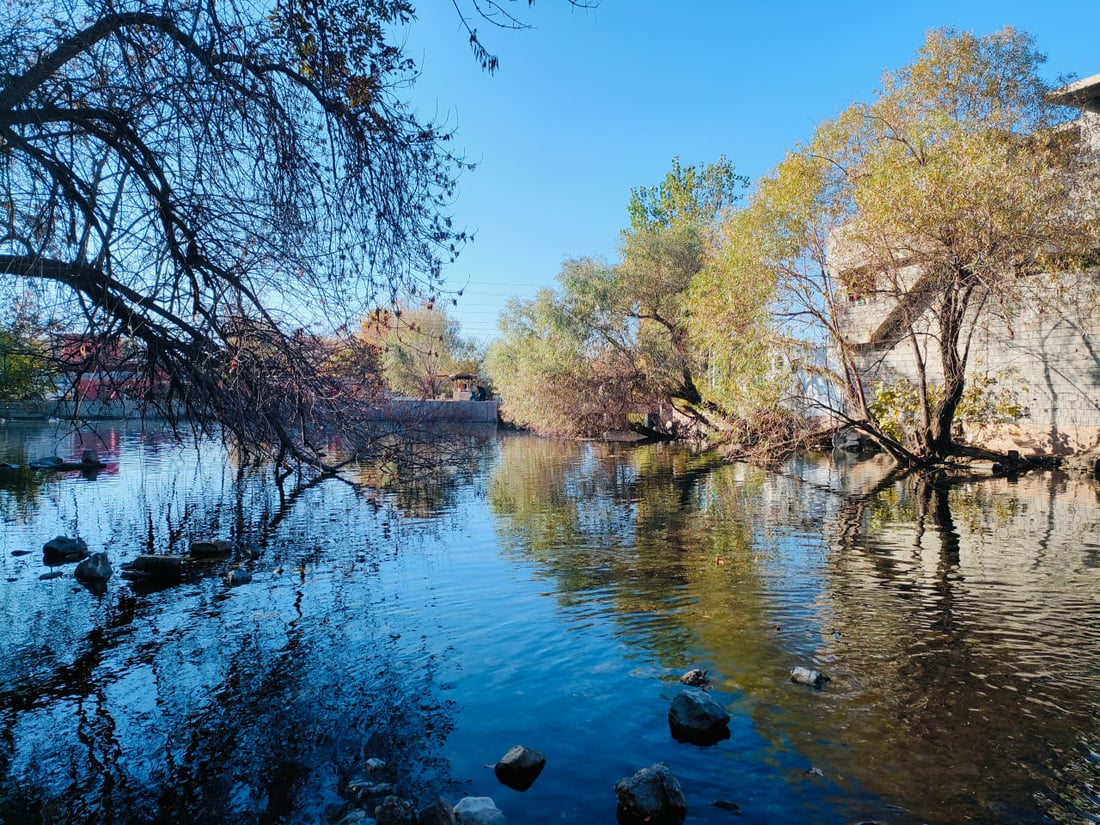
478 810
90 458
95 568
808 676
519 768
154 569
696 717
653 796
695 678
61 549
237 576
209 549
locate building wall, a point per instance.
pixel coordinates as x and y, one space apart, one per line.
1045 348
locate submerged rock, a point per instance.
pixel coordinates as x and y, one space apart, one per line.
95 568
154 569
395 811
519 767
653 796
62 549
696 717
808 676
478 810
695 678
238 575
216 549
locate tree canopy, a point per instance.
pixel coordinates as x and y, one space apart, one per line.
217 182
941 197
646 333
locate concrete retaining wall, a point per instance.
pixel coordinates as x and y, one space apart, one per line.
1045 349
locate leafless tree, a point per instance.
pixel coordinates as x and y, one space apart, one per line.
218 183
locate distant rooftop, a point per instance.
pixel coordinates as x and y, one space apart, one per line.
1077 93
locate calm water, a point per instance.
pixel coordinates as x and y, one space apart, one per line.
549 594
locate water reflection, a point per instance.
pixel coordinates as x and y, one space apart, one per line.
958 621
550 593
200 703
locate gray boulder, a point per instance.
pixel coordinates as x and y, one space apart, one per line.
95 568
653 796
478 810
696 717
62 549
519 768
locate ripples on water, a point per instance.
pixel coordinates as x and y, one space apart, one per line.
549 594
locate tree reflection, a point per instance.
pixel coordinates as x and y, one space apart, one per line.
200 703
662 536
939 646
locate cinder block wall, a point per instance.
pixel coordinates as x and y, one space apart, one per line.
1045 347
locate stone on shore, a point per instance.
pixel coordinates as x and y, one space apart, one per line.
519 767
652 796
695 716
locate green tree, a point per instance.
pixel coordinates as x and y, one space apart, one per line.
564 363
694 195
24 368
637 335
418 348
941 197
702 319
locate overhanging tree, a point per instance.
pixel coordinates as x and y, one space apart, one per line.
216 180
942 197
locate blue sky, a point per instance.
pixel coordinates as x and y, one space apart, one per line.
588 104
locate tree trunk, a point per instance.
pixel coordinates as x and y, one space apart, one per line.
956 300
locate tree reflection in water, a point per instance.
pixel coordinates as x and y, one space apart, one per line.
952 616
544 581
204 704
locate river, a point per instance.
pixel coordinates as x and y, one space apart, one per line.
549 594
